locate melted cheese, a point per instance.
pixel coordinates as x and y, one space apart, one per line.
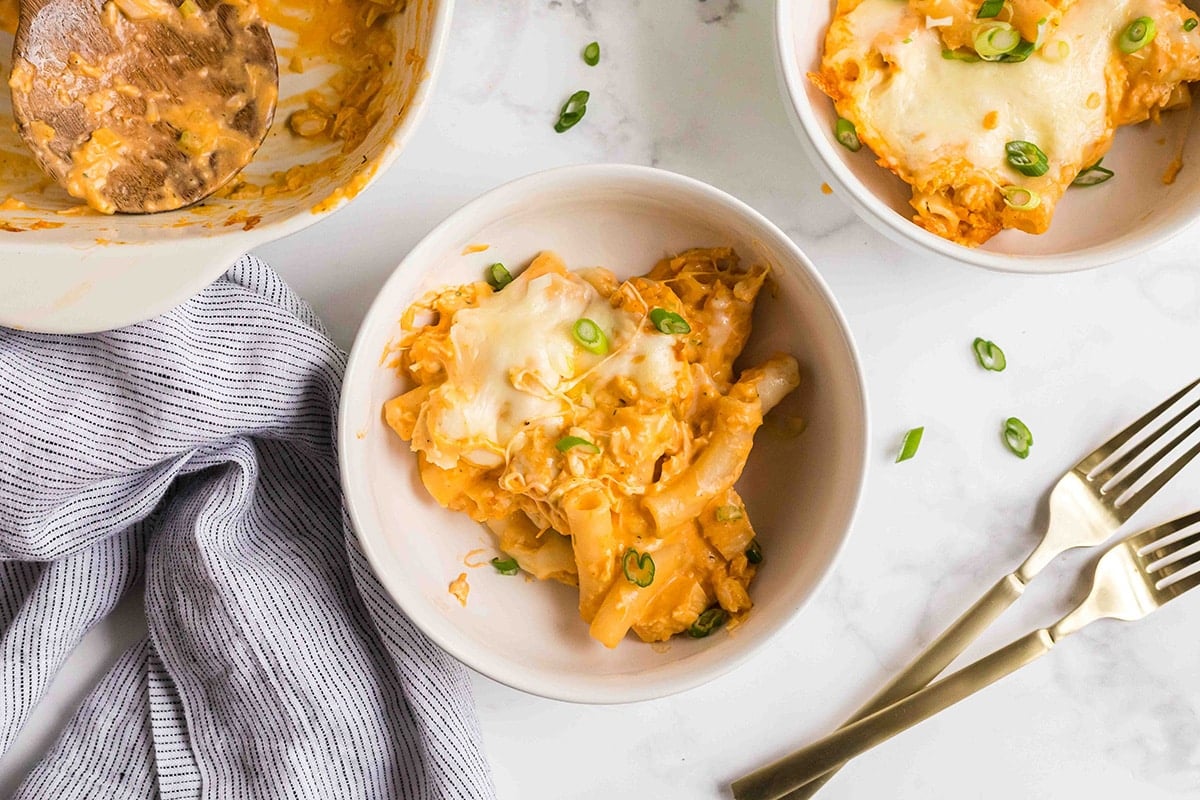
517 364
931 108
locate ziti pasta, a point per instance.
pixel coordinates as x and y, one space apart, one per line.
597 427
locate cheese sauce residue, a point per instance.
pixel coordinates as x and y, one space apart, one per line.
348 43
460 589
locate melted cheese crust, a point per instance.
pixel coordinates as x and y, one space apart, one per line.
941 124
501 382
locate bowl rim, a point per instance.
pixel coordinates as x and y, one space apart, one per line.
901 229
221 251
358 503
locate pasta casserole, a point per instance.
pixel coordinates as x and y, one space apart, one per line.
597 427
992 109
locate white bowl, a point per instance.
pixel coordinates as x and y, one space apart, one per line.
801 492
98 272
1091 227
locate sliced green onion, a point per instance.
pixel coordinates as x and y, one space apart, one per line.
707 622
567 442
1190 24
1017 437
728 513
589 336
912 440
505 566
1024 51
1042 26
994 40
754 552
1056 50
990 9
189 8
638 569
190 142
572 111
960 55
1137 35
591 54
847 135
1020 198
1093 175
668 321
498 276
1027 158
990 356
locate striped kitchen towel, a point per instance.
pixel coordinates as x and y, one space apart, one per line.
195 453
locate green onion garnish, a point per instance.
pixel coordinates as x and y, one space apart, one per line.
994 40
1020 198
1042 26
1093 175
912 440
754 552
990 9
1190 24
638 569
706 623
1027 158
989 355
1024 51
847 135
589 336
498 276
505 566
567 442
960 55
1137 35
668 321
1017 437
591 54
572 111
728 513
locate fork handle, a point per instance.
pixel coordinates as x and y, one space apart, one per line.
839 747
927 666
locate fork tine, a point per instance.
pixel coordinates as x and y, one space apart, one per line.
1104 451
1184 562
1169 593
1173 550
1129 457
1138 498
1140 541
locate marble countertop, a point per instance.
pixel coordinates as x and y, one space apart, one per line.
689 85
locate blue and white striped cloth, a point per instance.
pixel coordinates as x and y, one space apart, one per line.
195 452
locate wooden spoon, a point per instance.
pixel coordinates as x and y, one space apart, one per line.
142 105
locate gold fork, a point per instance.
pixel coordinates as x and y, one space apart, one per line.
1087 505
1133 578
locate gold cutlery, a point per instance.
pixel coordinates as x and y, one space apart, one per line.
1133 578
1087 505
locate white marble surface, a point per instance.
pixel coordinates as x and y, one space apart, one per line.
689 85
